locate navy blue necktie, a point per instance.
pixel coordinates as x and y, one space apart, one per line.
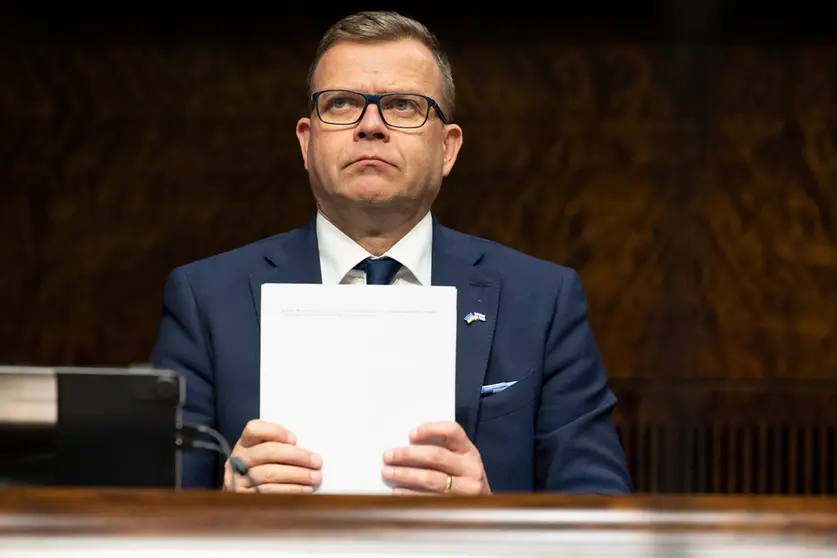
379 271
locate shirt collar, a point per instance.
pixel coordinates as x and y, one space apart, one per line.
339 253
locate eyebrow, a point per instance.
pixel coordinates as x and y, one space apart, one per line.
382 91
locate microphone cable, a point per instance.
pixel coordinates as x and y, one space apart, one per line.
187 438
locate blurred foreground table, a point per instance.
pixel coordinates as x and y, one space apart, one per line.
73 523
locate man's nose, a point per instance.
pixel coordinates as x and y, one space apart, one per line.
372 125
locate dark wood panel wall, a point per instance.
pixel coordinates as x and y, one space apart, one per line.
693 184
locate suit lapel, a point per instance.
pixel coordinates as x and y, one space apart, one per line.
296 257
455 259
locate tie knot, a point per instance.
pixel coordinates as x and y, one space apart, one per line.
379 271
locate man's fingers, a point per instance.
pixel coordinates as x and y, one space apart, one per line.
258 431
280 454
419 481
281 474
400 491
422 480
433 458
281 489
274 462
446 434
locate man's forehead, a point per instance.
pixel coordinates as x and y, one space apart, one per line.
382 66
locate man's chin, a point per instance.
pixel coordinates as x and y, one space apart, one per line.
374 195
378 202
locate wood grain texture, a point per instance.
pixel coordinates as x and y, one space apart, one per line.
767 214
693 187
156 512
131 524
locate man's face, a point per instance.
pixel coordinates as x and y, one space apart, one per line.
369 163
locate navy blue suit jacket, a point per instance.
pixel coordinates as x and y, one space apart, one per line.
550 431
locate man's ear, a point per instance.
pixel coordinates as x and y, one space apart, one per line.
303 134
453 143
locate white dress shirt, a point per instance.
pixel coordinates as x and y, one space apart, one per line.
339 254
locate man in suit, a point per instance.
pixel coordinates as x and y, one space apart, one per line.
377 143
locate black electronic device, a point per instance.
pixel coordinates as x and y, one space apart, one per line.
90 427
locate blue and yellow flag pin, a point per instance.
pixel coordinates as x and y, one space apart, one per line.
474 317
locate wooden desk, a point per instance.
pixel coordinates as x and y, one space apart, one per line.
75 523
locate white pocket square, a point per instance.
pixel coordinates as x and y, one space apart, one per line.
491 389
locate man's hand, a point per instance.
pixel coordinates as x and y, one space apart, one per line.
440 460
275 463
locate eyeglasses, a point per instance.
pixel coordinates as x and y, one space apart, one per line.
398 110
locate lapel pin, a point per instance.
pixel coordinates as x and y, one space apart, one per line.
474 317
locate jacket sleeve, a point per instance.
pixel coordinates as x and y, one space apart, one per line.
181 346
577 449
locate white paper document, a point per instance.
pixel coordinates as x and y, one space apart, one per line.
351 370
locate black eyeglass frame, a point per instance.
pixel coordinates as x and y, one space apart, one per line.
375 99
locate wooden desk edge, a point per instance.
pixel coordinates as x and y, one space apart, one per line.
38 511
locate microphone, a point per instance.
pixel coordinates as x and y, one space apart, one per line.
188 436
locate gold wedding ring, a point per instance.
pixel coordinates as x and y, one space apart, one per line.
449 484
